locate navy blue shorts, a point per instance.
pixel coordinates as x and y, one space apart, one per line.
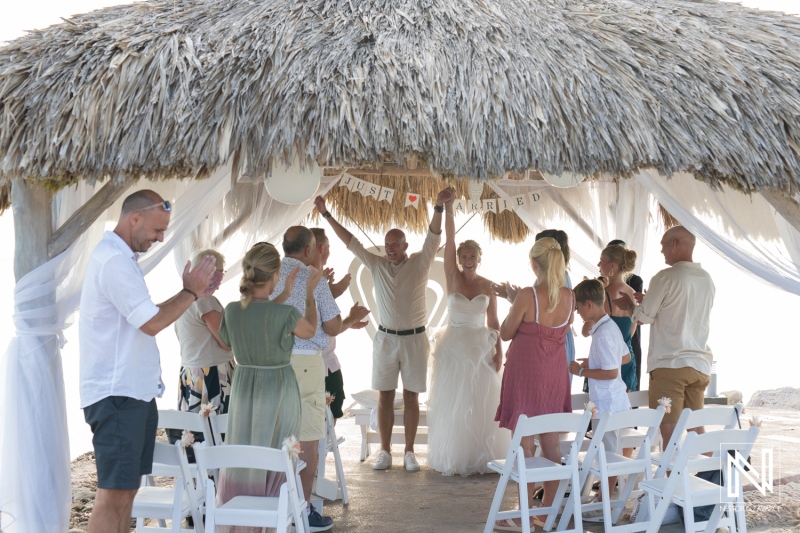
124 438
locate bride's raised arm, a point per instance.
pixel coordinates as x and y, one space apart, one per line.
450 266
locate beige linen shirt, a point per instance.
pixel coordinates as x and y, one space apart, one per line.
678 305
400 289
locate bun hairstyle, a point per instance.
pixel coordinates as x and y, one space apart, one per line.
547 254
469 243
624 259
259 266
561 238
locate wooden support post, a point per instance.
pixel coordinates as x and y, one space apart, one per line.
785 205
85 216
33 222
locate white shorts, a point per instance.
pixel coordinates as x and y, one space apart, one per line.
406 355
310 371
610 438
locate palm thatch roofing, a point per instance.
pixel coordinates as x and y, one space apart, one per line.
174 88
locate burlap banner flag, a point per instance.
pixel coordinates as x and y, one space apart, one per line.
373 190
347 181
412 199
386 195
504 204
520 200
459 204
490 204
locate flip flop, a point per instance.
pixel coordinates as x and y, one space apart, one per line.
506 525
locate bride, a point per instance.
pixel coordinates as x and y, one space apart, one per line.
465 387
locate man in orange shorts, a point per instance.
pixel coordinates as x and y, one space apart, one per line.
678 305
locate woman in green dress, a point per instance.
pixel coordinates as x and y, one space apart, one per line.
265 400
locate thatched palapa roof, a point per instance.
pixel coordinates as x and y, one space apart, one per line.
173 88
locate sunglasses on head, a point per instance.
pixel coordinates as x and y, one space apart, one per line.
165 204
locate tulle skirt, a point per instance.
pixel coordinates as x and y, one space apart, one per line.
464 393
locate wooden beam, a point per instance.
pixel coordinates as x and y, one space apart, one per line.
85 216
33 220
785 205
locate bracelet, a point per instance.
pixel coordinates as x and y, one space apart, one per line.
310 301
580 372
190 291
438 208
326 214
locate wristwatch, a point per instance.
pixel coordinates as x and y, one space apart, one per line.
438 208
326 214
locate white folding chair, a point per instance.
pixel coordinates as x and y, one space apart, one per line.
180 420
633 437
253 511
599 462
219 426
327 488
689 491
169 503
523 470
726 416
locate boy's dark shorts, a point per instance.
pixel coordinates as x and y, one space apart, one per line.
124 438
335 385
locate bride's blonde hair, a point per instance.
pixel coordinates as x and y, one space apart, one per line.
547 254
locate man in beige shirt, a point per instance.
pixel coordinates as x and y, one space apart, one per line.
678 305
401 345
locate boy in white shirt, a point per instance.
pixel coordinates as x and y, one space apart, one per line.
607 354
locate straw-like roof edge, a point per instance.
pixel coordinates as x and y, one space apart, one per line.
169 89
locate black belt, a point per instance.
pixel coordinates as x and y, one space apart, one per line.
402 331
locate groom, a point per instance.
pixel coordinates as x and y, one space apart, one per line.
401 345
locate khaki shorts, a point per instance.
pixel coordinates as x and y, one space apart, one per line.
686 386
310 371
404 355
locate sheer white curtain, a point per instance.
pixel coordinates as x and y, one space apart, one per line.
247 215
600 210
744 229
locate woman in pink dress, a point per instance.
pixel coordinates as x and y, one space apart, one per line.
535 380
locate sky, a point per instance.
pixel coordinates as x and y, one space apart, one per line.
750 341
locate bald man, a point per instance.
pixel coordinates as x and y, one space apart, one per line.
678 305
401 345
120 367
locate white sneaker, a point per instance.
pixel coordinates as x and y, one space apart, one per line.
383 461
410 462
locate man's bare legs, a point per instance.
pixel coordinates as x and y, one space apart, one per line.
309 452
112 511
410 417
386 418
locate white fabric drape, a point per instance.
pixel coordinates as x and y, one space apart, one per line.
601 210
744 229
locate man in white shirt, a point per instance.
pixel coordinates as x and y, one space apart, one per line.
401 345
678 305
120 369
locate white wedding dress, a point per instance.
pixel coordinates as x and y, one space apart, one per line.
464 392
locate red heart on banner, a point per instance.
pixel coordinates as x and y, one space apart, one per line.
412 198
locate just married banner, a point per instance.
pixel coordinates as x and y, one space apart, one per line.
465 205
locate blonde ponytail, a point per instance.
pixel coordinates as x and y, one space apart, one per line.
547 254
